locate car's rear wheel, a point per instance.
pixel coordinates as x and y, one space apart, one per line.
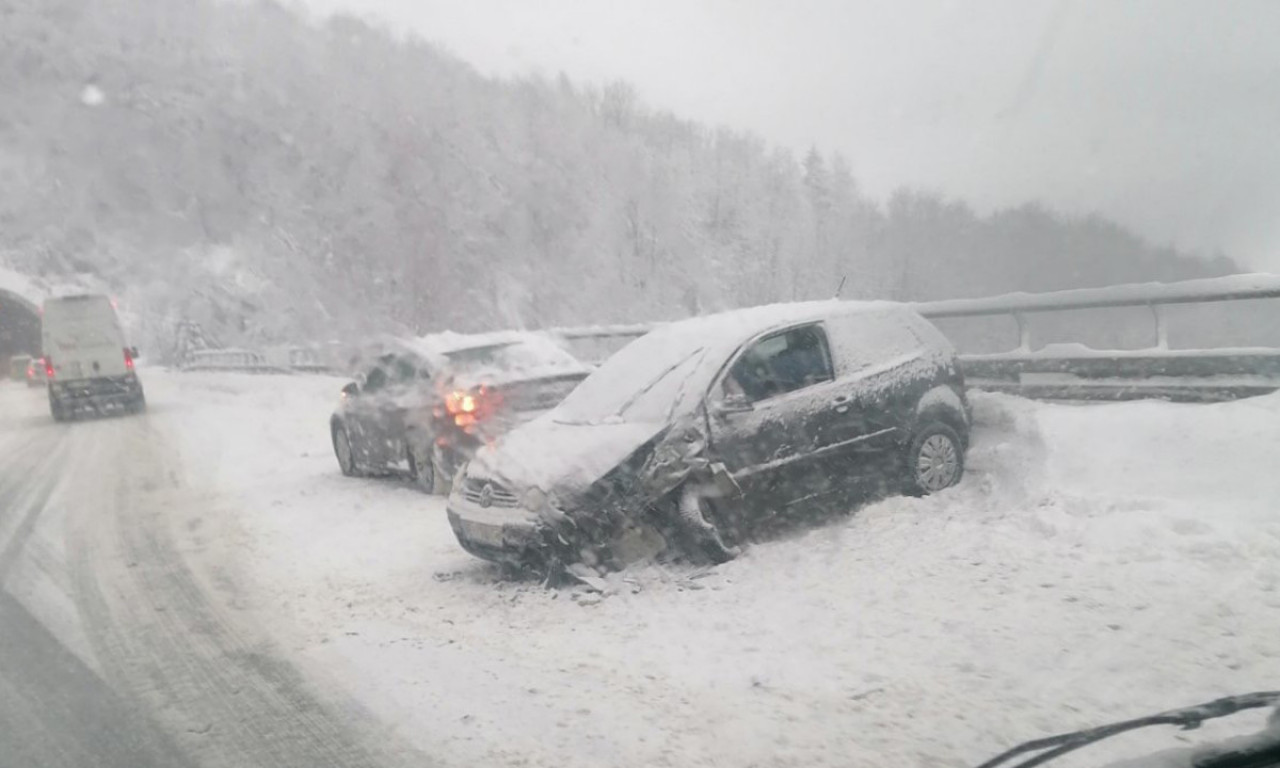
56 410
934 459
342 449
428 470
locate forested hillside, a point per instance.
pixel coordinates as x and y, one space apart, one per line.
271 179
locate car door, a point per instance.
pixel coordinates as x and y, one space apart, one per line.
402 398
362 417
767 414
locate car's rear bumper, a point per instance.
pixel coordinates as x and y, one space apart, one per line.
499 534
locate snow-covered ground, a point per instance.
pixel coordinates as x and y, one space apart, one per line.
1099 562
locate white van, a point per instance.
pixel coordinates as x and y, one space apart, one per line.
88 364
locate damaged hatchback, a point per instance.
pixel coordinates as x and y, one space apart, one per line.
696 432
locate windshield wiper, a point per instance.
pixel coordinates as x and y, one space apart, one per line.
1188 718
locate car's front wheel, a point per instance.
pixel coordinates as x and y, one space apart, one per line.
934 459
342 449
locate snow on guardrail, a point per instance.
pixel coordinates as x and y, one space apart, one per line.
275 360
1075 371
1229 288
1058 371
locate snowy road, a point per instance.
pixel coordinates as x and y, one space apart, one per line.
101 541
208 568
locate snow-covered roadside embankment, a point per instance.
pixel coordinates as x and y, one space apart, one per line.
1098 562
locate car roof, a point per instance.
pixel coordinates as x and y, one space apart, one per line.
725 331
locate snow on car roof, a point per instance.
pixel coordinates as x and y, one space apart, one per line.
533 354
732 326
437 345
692 350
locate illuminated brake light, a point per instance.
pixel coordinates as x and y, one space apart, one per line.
461 402
128 359
48 368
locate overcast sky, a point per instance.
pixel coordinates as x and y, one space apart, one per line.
1164 114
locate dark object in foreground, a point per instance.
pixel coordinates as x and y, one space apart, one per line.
1258 751
691 435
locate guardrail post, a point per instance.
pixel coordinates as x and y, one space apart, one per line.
1024 332
1162 327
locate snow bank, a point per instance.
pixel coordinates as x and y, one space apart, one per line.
1098 562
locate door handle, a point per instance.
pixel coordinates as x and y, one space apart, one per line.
842 408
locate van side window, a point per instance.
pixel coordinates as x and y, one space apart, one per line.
781 363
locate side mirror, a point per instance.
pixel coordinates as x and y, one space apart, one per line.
731 404
133 352
351 389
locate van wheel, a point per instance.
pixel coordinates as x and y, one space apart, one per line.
56 410
138 404
934 459
342 449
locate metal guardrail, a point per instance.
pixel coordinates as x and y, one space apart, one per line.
1060 371
277 360
1072 371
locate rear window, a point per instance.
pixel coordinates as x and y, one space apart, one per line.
516 356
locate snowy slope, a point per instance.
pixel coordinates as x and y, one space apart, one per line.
1099 562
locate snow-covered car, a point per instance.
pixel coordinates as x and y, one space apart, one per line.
689 434
18 366
428 404
37 373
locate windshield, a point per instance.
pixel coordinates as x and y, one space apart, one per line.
604 398
634 383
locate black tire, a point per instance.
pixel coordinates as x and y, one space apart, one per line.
138 404
933 460
343 450
428 471
56 410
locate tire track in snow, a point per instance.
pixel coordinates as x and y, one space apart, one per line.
28 482
218 685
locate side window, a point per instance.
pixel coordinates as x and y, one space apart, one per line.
781 363
376 380
404 371
380 375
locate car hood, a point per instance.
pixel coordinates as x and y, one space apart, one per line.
561 458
